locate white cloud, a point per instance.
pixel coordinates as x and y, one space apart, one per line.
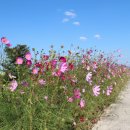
97 36
83 38
76 23
65 20
70 14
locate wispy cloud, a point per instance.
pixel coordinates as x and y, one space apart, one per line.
83 38
70 14
97 36
65 20
76 23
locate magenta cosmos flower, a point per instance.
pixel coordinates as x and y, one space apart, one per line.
62 59
19 60
13 85
28 56
96 90
28 63
9 45
77 94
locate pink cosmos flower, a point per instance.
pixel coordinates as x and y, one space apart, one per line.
28 56
82 103
63 67
42 82
4 40
89 77
96 90
35 70
19 60
77 94
109 90
58 73
13 85
94 65
70 99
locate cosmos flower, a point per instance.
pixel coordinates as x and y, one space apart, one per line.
71 66
89 77
19 60
63 67
28 56
35 70
41 82
82 103
70 99
28 63
77 94
109 90
54 63
4 40
13 85
8 44
96 90
38 64
94 65
62 59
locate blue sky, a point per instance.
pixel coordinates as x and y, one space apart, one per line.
85 23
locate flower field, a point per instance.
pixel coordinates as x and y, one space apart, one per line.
59 91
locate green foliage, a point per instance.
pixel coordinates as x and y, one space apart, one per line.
9 65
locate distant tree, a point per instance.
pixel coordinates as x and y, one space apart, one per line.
9 64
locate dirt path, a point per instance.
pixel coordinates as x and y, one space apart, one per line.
117 116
